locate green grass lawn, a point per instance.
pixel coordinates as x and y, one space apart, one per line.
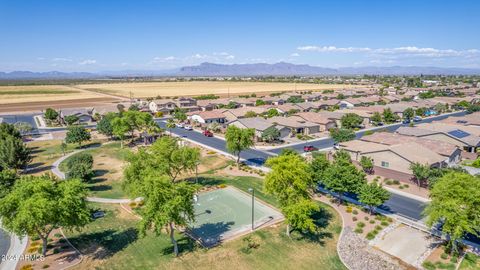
112 242
470 262
108 161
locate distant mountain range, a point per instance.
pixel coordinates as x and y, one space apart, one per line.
260 69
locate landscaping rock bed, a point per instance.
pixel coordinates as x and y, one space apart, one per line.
358 255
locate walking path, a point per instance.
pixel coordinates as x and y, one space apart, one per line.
55 170
15 251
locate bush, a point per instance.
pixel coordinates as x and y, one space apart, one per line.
45 266
428 265
388 182
372 221
378 228
355 212
56 250
26 267
80 166
222 186
360 224
39 250
132 204
366 218
32 249
370 236
444 256
354 218
406 186
358 230
400 187
384 223
396 182
349 209
454 259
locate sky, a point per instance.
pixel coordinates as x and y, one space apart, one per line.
99 36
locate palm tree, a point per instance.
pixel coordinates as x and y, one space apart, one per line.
170 125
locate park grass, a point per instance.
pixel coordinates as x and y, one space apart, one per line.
108 162
194 88
470 262
113 242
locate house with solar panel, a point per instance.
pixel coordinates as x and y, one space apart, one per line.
466 138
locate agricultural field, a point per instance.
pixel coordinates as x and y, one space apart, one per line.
171 89
39 93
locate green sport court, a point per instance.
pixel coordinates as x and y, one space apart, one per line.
227 212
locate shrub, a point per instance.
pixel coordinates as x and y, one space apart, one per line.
132 204
32 249
222 186
26 267
56 250
358 230
355 212
80 166
354 218
360 224
366 218
370 236
396 182
400 187
378 227
39 250
349 209
454 259
372 221
384 223
406 186
45 266
388 182
389 219
444 256
428 265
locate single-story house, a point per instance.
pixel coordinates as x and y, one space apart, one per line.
465 137
296 124
208 117
162 105
324 122
259 125
85 115
234 114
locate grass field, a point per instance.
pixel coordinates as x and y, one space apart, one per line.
171 89
36 93
470 262
113 242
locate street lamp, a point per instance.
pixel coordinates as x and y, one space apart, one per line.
251 190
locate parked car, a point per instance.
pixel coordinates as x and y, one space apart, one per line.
207 133
179 125
188 127
417 119
309 148
406 121
379 124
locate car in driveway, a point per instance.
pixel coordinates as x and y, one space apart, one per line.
188 127
417 119
179 125
207 133
309 148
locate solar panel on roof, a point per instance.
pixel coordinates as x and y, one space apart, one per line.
459 133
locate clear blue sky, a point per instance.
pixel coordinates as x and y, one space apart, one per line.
89 35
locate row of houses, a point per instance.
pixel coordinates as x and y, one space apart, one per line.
438 144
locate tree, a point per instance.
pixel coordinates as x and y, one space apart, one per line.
80 167
231 105
170 124
342 176
367 164
340 96
272 112
319 165
373 195
271 134
455 203
250 114
376 117
179 115
408 113
421 111
14 154
342 134
51 114
7 180
351 120
23 127
38 204
9 130
299 215
239 139
259 102
389 116
71 119
104 126
134 107
295 99
420 172
77 134
167 205
290 181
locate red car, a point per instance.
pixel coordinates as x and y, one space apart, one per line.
207 133
309 148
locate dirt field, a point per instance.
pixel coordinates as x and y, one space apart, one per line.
38 93
152 89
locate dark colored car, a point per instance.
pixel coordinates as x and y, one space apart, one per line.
207 133
309 148
406 121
